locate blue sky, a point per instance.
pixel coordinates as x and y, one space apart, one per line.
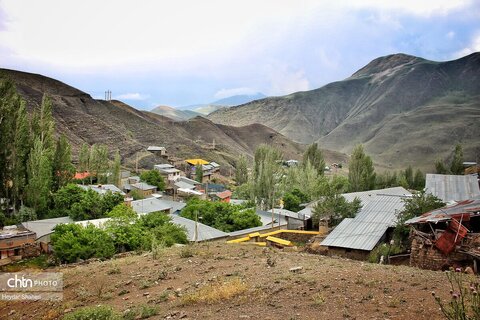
178 53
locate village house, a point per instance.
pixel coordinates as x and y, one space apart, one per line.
168 171
356 237
103 188
144 189
452 187
447 237
161 151
16 243
223 196
208 169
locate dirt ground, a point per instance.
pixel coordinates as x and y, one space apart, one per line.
222 281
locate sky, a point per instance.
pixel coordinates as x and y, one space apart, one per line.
177 53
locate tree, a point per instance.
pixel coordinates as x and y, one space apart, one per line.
415 206
440 167
22 147
419 180
241 170
98 162
46 125
199 173
84 158
116 169
266 175
72 242
39 178
154 178
223 216
334 208
315 156
293 199
361 174
89 207
409 177
65 198
63 169
456 167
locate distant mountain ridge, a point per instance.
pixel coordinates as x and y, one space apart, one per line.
236 100
174 113
116 124
404 109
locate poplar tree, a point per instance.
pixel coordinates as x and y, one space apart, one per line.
241 170
39 169
361 174
116 169
267 175
84 158
315 156
22 146
456 166
63 169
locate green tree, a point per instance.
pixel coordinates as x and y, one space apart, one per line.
46 125
63 169
72 242
220 215
456 167
241 170
154 178
65 198
440 167
116 169
419 180
199 173
84 158
39 178
10 102
415 206
293 199
22 147
334 208
98 162
315 156
267 175
361 174
409 177
89 207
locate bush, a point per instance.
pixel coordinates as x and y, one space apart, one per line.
154 178
93 313
72 242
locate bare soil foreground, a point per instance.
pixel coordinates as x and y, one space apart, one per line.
220 281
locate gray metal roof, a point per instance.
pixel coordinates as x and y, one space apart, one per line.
103 188
266 218
365 230
148 205
44 227
364 196
452 187
184 185
254 229
143 186
163 166
205 232
471 207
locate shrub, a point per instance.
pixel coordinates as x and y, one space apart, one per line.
383 250
93 313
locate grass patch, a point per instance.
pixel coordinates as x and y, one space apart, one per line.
40 262
187 252
97 313
218 291
318 299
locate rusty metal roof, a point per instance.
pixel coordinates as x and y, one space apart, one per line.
471 207
452 187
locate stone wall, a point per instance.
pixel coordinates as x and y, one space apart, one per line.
295 237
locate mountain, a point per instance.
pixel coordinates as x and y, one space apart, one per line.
175 114
116 124
236 100
404 109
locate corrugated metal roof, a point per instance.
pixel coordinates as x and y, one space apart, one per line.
365 230
471 207
102 188
148 205
44 227
143 186
266 218
364 196
184 185
452 187
204 232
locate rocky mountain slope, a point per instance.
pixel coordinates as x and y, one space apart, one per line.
175 114
404 109
116 124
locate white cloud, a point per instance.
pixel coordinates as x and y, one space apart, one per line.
474 46
450 34
285 80
424 8
132 96
225 93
